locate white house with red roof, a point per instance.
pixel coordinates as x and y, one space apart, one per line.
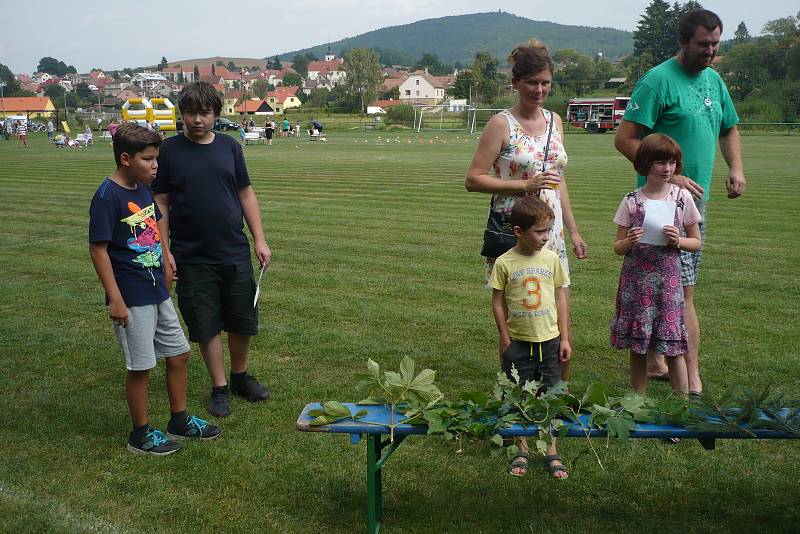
331 68
179 74
423 88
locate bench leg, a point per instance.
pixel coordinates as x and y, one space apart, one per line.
374 484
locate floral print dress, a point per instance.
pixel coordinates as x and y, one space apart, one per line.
523 158
649 308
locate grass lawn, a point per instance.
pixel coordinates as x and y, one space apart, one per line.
375 254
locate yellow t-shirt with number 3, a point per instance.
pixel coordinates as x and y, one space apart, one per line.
530 284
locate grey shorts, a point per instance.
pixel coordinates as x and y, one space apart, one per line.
690 261
153 331
534 361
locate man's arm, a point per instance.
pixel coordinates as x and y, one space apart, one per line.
731 148
562 308
627 142
628 138
117 309
252 214
162 200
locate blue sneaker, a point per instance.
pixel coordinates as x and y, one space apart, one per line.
152 442
194 427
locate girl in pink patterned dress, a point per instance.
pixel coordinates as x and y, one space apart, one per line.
649 314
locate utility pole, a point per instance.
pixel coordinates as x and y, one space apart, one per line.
2 100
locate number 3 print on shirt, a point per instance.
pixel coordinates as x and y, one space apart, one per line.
534 300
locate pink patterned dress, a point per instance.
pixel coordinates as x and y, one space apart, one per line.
523 158
650 308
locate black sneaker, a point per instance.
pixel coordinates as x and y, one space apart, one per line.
219 406
193 427
248 387
152 442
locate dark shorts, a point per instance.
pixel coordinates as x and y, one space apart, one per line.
534 361
213 298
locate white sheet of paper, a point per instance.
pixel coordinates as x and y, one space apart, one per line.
258 285
657 215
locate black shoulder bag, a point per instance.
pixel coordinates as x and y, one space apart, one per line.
498 238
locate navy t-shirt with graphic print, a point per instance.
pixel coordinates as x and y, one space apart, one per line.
126 219
206 220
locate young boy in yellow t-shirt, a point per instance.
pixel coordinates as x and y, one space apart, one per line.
531 308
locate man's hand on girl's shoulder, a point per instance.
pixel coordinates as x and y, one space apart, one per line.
684 182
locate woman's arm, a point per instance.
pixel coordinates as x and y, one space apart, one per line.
579 247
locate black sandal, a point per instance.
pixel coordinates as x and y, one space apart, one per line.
519 461
553 469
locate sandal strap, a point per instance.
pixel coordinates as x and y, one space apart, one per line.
553 458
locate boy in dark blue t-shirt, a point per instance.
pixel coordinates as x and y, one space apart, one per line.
125 247
204 192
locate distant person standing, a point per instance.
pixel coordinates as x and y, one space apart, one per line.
285 127
22 132
269 131
50 130
99 124
685 99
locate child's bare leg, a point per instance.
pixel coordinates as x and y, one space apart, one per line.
656 366
551 450
239 347
639 372
136 394
215 361
678 377
176 378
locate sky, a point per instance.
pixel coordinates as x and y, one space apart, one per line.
114 35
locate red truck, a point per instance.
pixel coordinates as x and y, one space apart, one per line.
597 115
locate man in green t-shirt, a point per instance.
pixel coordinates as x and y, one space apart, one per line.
685 99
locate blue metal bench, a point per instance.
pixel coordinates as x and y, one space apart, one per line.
375 425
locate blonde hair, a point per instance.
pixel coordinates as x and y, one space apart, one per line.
530 58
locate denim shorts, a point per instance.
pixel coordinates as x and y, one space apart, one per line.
215 297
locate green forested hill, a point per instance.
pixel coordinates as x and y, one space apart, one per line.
458 38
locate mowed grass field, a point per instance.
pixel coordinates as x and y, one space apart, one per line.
376 255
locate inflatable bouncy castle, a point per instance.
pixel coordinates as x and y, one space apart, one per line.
159 112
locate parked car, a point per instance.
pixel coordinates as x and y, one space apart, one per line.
225 124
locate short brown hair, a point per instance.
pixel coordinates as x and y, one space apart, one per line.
199 96
529 211
694 19
657 147
131 138
530 58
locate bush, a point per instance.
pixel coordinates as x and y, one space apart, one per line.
402 114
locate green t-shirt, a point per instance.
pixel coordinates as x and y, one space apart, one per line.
693 109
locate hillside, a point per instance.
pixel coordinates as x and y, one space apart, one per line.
238 61
458 38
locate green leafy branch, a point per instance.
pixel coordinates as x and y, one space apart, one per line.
479 415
